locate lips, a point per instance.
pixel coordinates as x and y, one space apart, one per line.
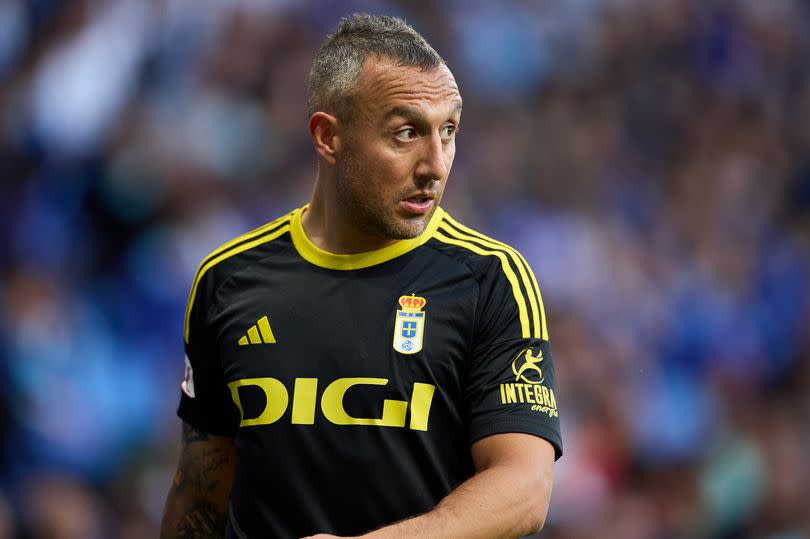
418 204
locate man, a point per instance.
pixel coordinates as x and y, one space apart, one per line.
366 364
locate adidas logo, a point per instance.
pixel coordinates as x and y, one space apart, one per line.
259 333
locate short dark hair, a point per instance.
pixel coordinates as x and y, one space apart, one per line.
338 63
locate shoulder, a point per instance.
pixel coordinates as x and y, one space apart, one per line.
482 253
235 255
501 270
244 249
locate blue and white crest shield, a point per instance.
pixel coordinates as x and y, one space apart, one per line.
409 325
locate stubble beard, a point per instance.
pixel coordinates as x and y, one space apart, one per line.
373 215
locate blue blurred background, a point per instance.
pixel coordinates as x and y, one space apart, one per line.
651 158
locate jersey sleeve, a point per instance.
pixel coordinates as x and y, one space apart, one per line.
204 400
511 382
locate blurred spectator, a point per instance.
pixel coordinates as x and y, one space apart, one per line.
60 507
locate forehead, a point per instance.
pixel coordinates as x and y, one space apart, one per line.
384 86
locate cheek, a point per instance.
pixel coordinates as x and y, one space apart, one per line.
384 171
375 175
391 168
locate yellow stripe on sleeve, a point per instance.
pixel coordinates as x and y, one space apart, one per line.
535 285
507 269
225 253
244 237
527 285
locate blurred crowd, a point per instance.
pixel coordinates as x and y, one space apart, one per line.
650 158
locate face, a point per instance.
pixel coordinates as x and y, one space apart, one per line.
397 148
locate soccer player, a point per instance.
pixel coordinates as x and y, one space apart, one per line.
366 364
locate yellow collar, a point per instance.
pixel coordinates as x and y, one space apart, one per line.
315 255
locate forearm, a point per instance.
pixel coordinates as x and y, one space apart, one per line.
188 515
197 504
499 502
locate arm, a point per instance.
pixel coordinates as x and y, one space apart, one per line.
508 497
197 505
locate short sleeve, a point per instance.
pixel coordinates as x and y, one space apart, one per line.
511 384
204 400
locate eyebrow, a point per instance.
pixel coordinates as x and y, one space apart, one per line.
411 114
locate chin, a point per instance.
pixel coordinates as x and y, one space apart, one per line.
406 229
392 224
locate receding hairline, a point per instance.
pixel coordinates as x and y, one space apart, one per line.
344 55
376 66
382 63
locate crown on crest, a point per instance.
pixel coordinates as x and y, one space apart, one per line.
412 302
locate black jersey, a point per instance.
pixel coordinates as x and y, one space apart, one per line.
354 385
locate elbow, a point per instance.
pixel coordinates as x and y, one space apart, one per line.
532 524
537 507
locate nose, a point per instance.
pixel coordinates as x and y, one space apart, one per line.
434 162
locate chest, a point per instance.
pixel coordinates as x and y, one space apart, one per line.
366 345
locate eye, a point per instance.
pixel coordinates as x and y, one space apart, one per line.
449 131
406 134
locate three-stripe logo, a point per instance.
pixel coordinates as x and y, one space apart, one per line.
259 333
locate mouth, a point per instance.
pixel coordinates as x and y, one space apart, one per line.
419 203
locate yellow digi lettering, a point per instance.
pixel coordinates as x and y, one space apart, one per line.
520 392
394 411
552 401
305 401
303 408
503 395
421 399
274 392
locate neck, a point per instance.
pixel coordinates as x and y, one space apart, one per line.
327 225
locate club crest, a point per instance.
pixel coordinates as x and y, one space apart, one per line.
409 324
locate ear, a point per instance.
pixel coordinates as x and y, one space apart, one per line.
323 130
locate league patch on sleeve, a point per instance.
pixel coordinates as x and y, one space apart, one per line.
188 381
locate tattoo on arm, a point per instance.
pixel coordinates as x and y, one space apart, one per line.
197 505
202 522
192 434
